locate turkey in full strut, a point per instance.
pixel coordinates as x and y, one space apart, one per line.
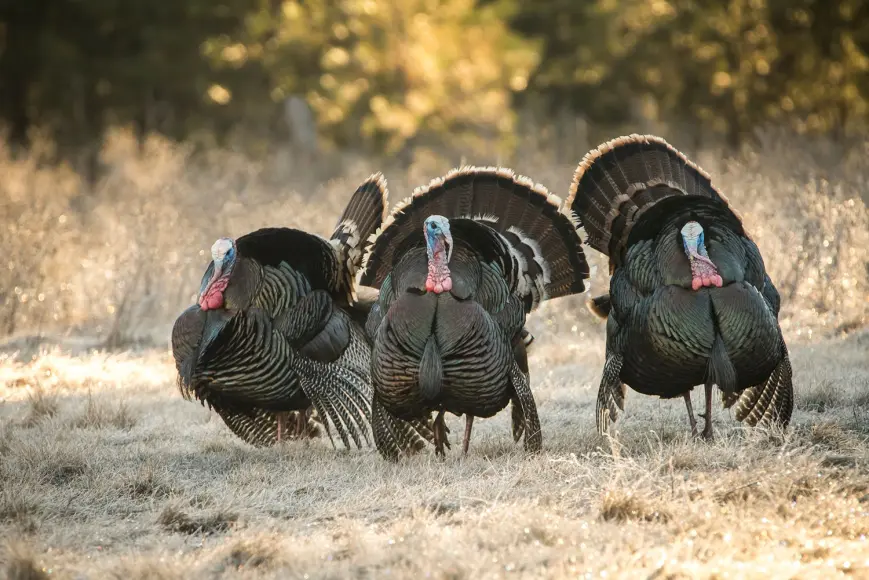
690 301
459 265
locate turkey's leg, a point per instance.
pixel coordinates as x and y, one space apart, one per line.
281 418
440 434
469 423
301 425
707 428
691 419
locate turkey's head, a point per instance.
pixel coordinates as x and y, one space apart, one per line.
439 247
223 254
704 272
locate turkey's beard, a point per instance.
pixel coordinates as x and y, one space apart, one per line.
438 279
704 272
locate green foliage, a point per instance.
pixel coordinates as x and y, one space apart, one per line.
727 66
385 76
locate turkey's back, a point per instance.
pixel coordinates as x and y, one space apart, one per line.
450 350
669 332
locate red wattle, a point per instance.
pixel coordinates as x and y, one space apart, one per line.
213 296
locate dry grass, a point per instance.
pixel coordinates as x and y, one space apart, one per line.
121 261
170 493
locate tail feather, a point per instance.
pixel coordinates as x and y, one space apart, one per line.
394 437
525 213
770 402
600 305
720 369
364 214
259 427
619 181
341 398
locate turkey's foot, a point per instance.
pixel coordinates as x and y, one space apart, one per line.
692 420
469 423
440 435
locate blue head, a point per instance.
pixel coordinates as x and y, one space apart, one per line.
438 238
439 247
693 239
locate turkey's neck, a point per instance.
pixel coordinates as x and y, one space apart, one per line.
704 272
212 297
438 279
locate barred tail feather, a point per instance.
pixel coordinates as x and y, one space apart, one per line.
771 402
525 213
362 217
610 394
616 183
259 427
394 437
525 398
340 396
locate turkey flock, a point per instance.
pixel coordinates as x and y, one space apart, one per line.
374 334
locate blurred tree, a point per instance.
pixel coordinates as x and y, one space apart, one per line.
721 66
389 75
75 67
385 74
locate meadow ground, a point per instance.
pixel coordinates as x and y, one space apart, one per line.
107 473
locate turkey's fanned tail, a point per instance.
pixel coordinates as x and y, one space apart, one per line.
621 180
543 237
363 216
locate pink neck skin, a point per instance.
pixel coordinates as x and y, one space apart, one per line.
212 298
704 272
438 279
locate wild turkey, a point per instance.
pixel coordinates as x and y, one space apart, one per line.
273 333
690 301
459 265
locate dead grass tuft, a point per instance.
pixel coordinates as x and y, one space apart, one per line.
18 563
137 568
41 406
17 508
146 483
63 471
172 519
99 414
623 506
252 553
820 398
831 435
